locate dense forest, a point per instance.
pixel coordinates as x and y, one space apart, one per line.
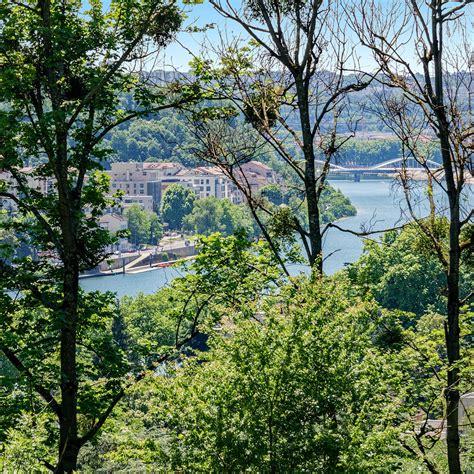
241 363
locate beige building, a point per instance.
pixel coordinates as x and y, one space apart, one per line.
113 222
142 200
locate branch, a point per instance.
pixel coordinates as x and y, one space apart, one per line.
45 394
364 233
121 393
467 298
43 222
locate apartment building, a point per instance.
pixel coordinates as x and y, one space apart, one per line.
207 181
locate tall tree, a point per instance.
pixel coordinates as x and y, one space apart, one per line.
177 203
63 65
290 84
138 224
434 105
144 226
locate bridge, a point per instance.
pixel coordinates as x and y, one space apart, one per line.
387 167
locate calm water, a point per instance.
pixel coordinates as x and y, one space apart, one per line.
379 205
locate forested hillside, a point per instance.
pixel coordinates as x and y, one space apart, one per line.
167 137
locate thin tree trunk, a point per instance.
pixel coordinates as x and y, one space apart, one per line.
452 327
452 345
315 238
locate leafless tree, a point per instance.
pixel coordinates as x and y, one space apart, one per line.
423 52
290 83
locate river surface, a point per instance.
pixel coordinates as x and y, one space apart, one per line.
379 205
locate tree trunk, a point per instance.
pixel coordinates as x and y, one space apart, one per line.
68 459
453 191
315 238
452 346
69 209
68 436
452 332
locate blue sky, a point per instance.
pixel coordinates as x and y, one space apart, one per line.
202 14
198 15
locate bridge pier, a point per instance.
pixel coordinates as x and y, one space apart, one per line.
357 177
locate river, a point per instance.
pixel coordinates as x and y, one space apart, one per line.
379 205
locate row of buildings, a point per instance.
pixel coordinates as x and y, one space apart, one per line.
146 183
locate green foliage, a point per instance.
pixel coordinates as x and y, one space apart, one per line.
149 323
177 203
275 194
64 67
34 340
144 226
370 152
294 388
404 263
212 215
333 206
230 273
296 378
162 137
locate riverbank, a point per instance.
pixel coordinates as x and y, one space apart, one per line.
138 269
380 205
374 200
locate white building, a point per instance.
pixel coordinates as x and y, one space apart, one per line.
207 181
142 200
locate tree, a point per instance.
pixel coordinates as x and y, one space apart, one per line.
433 106
176 204
403 263
156 229
138 224
218 215
292 389
281 85
144 226
275 194
63 65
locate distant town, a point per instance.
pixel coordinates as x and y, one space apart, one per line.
144 184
